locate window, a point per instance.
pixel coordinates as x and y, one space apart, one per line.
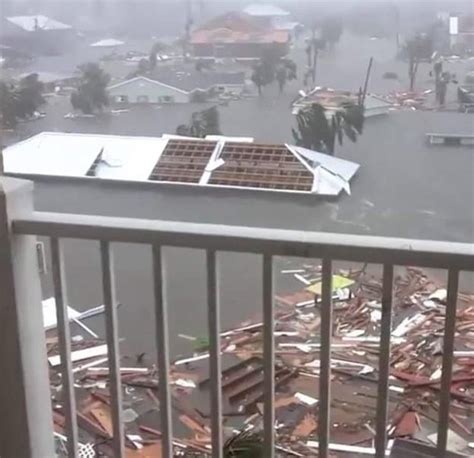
121 99
166 99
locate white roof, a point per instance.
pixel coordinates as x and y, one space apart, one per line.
130 158
108 42
265 9
60 154
38 22
230 139
331 174
337 166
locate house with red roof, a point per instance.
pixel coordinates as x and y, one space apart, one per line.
237 35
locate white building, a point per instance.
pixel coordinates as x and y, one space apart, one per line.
176 87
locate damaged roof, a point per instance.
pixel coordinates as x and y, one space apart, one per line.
235 27
214 162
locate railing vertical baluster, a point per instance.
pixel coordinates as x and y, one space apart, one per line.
64 335
111 326
448 348
214 352
268 358
325 366
384 362
163 355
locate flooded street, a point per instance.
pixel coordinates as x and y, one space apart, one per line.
342 129
404 189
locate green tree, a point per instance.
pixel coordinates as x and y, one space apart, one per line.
8 105
30 95
144 66
413 52
315 130
157 48
417 49
331 30
270 67
281 76
203 64
22 101
203 123
286 71
312 53
91 95
258 77
152 60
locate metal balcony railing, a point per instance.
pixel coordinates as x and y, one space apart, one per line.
27 429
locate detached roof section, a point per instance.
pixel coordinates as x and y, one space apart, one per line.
38 22
215 162
332 100
80 155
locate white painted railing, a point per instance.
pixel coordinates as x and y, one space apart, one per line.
27 429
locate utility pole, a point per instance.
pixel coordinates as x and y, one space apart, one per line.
367 76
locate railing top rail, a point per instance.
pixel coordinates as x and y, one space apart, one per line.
279 242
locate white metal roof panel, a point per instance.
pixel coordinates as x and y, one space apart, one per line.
130 158
52 153
66 154
327 183
341 167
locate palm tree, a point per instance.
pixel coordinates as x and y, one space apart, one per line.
8 105
92 91
203 123
157 48
315 130
286 71
258 78
21 101
30 94
246 444
312 53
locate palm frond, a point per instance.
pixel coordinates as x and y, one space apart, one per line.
246 444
